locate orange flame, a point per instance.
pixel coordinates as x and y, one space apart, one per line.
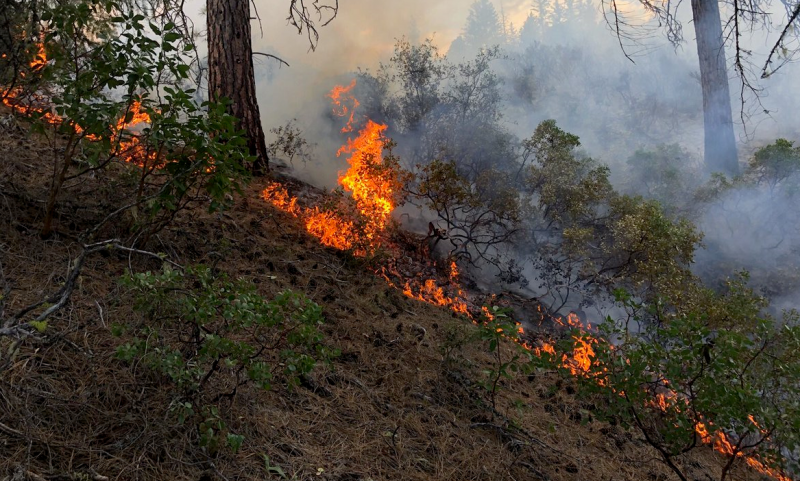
579 362
331 229
280 198
40 60
373 196
372 191
340 95
373 188
129 148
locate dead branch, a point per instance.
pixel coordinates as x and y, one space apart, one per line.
13 327
269 55
300 17
778 43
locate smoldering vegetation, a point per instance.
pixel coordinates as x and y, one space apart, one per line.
551 208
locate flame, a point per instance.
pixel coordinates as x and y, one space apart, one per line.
40 59
331 229
339 96
372 191
280 198
579 363
129 147
373 187
431 293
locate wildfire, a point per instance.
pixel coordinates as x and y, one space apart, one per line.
40 60
373 186
330 229
340 95
128 147
373 192
280 198
579 363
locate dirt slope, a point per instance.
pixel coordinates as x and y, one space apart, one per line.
389 408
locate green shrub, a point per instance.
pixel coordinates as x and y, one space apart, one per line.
197 327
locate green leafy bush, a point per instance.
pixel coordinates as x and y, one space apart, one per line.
210 336
495 328
107 67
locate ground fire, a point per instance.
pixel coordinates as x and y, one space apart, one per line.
127 145
373 196
374 193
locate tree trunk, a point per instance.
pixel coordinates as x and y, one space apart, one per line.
230 70
720 142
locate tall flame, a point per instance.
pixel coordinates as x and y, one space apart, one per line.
373 187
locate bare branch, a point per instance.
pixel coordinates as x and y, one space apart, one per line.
13 328
273 57
300 16
779 44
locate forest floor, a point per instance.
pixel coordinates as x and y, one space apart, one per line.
403 401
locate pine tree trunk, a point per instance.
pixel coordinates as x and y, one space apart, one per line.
720 141
230 70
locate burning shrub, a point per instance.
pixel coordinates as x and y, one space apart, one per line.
112 95
683 384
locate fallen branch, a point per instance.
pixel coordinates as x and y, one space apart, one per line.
12 327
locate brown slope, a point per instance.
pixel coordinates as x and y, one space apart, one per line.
389 408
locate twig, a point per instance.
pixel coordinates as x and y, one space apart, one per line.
273 56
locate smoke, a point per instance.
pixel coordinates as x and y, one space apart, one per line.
571 71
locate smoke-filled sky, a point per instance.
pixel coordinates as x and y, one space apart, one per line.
365 30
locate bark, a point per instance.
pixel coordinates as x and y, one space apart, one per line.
230 70
720 141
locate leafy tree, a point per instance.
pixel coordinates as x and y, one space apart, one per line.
438 110
420 70
775 163
587 239
750 222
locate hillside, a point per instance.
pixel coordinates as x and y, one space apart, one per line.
402 401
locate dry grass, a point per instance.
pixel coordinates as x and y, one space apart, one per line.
389 408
